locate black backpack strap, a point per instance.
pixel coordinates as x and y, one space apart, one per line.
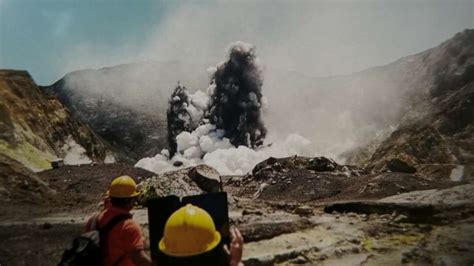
94 222
106 228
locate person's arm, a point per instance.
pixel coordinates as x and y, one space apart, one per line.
236 248
140 258
135 245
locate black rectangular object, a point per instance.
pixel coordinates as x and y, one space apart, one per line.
216 205
160 209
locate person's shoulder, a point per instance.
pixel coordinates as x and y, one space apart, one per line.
132 231
91 219
130 224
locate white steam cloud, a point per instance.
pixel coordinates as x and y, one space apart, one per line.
224 157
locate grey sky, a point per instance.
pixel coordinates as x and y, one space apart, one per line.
52 37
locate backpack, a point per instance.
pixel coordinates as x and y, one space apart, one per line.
86 248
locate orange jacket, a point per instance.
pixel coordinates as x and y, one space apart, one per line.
124 238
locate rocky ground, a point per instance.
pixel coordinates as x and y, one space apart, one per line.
69 189
302 179
408 220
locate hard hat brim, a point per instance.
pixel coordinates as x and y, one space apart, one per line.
210 246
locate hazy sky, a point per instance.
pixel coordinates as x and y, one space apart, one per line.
50 38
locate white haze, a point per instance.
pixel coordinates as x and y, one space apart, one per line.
318 38
296 41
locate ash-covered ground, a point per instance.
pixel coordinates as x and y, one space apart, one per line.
295 210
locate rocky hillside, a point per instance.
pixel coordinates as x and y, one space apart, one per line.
36 129
128 130
347 116
438 127
362 109
126 104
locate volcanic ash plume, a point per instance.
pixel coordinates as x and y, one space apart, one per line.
231 107
223 127
177 115
236 99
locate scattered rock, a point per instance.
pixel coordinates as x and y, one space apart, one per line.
397 165
299 260
304 210
322 164
418 212
252 212
355 250
56 164
311 180
351 214
354 241
338 252
46 226
264 164
260 261
271 228
177 163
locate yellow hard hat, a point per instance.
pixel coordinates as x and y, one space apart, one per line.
123 187
189 231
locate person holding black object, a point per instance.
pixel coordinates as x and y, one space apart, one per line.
236 247
190 238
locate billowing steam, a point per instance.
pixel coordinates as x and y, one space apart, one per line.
222 127
337 113
236 100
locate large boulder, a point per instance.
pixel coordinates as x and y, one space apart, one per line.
427 206
322 164
206 178
455 196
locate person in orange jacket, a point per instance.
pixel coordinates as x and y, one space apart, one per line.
123 244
